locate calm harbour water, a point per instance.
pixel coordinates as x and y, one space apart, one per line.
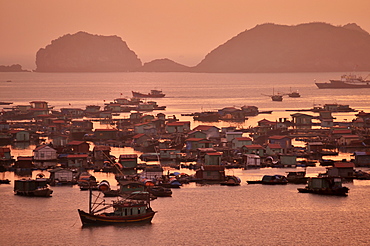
195 215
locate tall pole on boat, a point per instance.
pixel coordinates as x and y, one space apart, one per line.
90 198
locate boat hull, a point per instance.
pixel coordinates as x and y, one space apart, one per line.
143 95
337 84
331 192
91 219
38 193
267 183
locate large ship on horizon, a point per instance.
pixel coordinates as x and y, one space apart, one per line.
346 81
153 93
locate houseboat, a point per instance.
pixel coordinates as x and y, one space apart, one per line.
32 187
325 186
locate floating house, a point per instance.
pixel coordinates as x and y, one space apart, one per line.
285 142
45 156
20 135
253 149
210 131
197 134
129 164
5 156
152 172
232 135
141 140
178 127
238 142
106 134
24 162
274 149
61 176
288 160
211 173
212 158
300 120
341 169
251 161
362 159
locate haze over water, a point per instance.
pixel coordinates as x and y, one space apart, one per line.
195 215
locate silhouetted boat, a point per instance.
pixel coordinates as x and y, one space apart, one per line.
346 82
294 94
275 97
153 93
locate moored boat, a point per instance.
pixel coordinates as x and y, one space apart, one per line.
4 181
277 98
325 186
297 177
270 180
160 191
231 180
125 211
32 187
294 94
87 181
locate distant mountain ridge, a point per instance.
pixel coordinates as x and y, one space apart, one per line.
84 52
313 47
163 65
12 68
310 47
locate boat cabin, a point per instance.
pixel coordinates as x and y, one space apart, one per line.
324 182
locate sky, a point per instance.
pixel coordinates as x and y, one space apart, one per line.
183 31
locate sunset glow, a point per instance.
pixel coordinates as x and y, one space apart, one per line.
183 31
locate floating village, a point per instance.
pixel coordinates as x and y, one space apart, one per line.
70 147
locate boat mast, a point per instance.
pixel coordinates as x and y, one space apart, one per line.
90 198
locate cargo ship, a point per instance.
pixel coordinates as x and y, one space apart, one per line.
346 82
153 93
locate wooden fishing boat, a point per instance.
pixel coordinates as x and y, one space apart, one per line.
133 209
325 186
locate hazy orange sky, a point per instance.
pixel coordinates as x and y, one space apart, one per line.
183 31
